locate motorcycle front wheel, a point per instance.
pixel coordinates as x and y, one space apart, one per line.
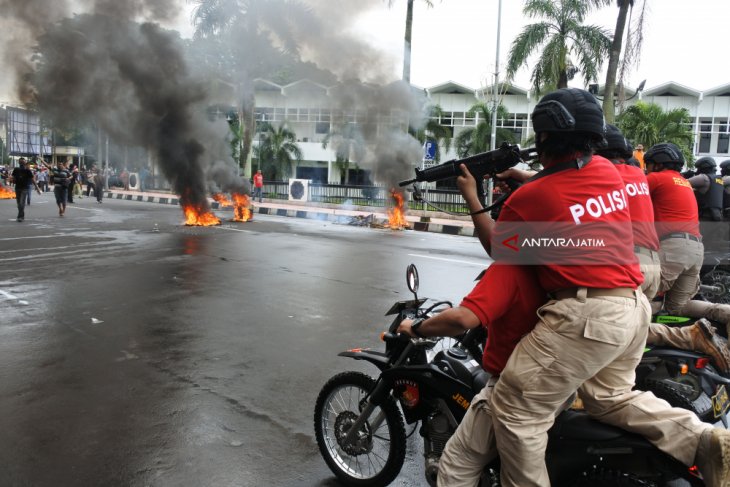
376 455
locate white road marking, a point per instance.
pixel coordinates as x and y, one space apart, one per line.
219 227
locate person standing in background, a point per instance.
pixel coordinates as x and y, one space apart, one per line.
639 156
99 186
258 185
42 178
23 179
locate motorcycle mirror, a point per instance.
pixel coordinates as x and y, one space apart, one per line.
412 279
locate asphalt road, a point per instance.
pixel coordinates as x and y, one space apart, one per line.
137 351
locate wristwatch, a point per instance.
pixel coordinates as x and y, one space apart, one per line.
416 325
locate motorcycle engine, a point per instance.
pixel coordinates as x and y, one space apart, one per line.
438 431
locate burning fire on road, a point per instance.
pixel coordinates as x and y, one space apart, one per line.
397 214
241 206
6 193
201 217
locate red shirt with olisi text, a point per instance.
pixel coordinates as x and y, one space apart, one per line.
505 300
575 226
640 206
675 205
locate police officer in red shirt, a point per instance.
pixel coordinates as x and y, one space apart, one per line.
677 223
504 301
590 336
701 335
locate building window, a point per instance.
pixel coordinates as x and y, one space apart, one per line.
705 135
723 139
322 128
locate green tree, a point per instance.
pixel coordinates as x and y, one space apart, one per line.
475 140
566 46
233 39
435 132
633 47
407 41
647 124
278 150
348 144
236 138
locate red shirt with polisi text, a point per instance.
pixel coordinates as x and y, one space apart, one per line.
675 205
640 206
505 300
575 226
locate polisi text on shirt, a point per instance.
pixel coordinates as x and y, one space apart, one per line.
599 206
637 189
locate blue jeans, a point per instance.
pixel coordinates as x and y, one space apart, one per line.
257 193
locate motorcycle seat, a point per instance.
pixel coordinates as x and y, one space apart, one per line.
575 425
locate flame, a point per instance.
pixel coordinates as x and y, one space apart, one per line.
241 206
397 214
222 200
198 216
6 193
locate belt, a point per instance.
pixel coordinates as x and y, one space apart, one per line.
681 235
593 292
638 249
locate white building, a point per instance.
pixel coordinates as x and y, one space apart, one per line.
307 108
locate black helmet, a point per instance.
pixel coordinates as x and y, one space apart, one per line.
617 147
666 154
705 165
725 167
570 110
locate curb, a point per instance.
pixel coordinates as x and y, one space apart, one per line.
464 231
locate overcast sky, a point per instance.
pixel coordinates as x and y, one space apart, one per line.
685 41
456 40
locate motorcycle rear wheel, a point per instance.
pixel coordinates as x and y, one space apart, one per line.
678 400
377 456
719 278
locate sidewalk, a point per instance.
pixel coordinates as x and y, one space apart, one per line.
440 223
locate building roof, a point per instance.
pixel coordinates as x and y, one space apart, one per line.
722 90
265 85
504 89
672 89
451 87
304 85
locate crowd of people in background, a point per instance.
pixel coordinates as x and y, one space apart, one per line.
66 179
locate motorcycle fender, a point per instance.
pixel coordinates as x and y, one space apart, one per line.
379 359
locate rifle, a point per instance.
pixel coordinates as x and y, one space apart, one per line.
480 165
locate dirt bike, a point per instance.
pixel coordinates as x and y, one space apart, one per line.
359 421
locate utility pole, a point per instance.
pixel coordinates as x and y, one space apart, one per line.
496 81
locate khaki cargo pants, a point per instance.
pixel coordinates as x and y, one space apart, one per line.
472 446
651 268
681 260
593 345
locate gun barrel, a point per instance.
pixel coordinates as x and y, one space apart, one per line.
407 182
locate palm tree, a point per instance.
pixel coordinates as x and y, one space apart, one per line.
348 143
648 124
435 132
238 33
558 37
278 150
633 47
477 139
407 42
